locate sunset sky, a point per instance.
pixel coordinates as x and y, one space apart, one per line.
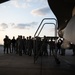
22 17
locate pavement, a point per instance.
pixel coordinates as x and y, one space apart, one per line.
13 64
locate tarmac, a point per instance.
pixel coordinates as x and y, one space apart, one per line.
13 64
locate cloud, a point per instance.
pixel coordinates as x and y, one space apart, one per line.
23 26
38 1
20 3
33 23
3 25
26 3
41 11
12 24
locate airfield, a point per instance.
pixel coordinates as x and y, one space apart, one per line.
13 64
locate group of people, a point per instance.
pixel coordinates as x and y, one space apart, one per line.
20 46
37 46
47 45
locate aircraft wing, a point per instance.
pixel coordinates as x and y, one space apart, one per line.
2 1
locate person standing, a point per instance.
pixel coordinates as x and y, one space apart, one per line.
13 42
6 44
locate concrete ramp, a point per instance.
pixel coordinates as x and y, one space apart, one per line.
13 64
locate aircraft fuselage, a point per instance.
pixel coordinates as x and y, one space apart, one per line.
62 10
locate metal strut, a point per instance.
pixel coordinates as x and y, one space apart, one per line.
38 31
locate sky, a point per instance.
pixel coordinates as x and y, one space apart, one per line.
22 17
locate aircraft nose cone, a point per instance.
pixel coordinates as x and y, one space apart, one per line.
69 31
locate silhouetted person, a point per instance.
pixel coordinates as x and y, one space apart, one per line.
62 49
27 47
38 46
6 44
30 45
16 45
44 46
13 41
20 45
52 46
9 42
24 45
73 47
59 45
